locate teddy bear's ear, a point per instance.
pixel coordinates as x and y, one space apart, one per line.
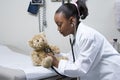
42 34
30 42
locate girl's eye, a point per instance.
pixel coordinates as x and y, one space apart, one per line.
59 24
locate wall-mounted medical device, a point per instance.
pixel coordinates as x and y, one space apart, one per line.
37 2
60 0
38 7
56 0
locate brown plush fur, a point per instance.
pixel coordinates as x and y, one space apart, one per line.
41 47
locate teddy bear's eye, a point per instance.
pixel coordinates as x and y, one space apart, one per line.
37 40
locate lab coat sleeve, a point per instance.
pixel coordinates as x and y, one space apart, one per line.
89 49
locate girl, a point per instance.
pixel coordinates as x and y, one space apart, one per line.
92 57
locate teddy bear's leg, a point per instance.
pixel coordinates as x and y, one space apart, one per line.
47 62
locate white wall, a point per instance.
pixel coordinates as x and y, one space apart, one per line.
17 26
102 17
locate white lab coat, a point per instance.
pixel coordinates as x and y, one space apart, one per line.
95 58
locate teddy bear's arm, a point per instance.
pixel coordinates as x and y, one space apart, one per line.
55 49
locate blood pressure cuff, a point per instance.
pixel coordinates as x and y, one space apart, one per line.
33 8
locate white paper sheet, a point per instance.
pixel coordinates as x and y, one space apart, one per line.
15 60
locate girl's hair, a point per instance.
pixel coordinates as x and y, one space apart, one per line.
68 9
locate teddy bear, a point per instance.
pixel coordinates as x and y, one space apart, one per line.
40 49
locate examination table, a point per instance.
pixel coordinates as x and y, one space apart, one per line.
17 66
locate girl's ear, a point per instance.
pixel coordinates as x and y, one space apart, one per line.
72 20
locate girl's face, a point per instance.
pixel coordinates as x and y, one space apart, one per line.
64 24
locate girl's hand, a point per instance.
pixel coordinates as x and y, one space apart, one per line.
55 61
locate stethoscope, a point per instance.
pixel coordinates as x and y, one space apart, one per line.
72 42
